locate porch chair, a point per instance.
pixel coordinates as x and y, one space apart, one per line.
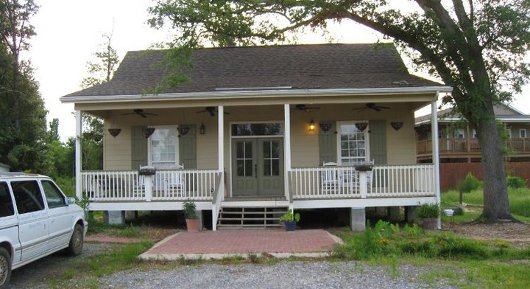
328 179
170 184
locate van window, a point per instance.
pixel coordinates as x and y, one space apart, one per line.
27 196
6 203
54 198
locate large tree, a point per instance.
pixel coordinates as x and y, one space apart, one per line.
477 47
99 70
23 124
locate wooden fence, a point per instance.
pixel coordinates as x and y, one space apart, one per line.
452 173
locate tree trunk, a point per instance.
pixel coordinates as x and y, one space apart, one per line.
496 206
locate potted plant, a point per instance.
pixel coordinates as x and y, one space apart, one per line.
190 213
429 214
290 219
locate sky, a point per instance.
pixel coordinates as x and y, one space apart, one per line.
69 32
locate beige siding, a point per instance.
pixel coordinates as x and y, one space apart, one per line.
401 146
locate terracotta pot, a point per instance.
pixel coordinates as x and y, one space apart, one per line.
192 225
430 224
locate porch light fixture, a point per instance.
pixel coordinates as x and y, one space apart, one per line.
396 125
149 131
114 132
202 129
312 126
361 126
183 129
325 126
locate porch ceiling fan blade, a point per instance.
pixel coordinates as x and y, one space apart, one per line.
141 113
306 108
210 110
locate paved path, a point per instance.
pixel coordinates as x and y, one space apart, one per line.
278 243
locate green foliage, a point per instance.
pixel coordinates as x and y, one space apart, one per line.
468 184
102 69
426 211
290 216
190 210
515 182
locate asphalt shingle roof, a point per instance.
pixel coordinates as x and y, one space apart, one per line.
297 66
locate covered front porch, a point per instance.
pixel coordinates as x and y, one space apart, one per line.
285 155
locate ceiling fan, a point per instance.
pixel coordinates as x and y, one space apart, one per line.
211 110
306 108
141 113
372 106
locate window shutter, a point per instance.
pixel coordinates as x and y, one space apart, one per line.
138 147
188 148
378 141
327 141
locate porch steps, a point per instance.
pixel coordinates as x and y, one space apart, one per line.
250 217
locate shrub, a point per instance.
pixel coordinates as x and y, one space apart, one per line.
515 182
469 184
427 211
189 210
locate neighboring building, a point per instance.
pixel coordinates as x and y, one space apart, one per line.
261 127
458 141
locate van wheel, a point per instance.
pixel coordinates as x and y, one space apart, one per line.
76 242
5 267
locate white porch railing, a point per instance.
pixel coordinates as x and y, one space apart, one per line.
324 183
194 185
345 182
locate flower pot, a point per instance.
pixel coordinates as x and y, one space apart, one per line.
290 225
192 225
430 224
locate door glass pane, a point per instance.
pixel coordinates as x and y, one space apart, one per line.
240 150
240 168
248 150
275 149
267 168
54 198
275 171
249 170
27 196
266 149
6 203
244 160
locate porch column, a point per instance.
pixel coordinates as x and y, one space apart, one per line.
435 154
220 138
78 156
287 154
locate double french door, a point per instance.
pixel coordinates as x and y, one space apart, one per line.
257 167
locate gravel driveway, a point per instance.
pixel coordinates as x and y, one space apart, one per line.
281 275
284 274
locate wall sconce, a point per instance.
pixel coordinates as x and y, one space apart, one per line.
396 124
202 129
114 132
183 129
325 126
149 131
361 126
312 126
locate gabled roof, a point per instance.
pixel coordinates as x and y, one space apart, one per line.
503 112
320 66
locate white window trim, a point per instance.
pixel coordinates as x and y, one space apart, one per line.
177 144
509 130
366 137
521 133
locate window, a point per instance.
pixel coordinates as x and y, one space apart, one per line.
353 144
6 203
459 134
474 133
54 198
509 132
259 129
163 148
522 133
27 196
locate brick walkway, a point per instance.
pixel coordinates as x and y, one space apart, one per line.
243 242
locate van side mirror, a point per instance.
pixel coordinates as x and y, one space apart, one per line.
70 201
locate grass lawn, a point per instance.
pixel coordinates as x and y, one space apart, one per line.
519 204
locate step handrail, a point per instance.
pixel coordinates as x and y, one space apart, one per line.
217 198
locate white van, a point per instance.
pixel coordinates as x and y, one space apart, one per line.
36 220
